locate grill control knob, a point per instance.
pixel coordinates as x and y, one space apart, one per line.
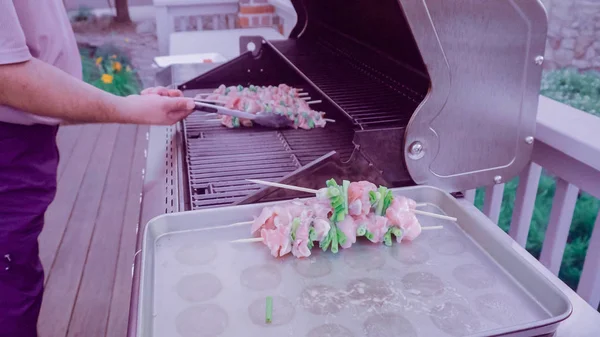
415 150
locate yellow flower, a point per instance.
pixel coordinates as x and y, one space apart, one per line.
117 66
99 60
107 78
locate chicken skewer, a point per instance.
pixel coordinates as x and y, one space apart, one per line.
316 192
262 240
282 100
336 220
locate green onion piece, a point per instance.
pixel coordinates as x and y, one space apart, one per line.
334 239
311 123
236 122
295 225
240 88
345 186
310 245
227 91
387 239
372 197
333 192
397 232
337 203
340 217
269 311
325 243
361 230
382 192
341 236
312 234
331 183
387 201
369 235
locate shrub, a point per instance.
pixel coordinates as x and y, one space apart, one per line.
579 90
109 69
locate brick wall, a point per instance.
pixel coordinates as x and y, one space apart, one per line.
258 13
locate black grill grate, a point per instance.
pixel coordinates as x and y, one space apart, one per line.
345 72
220 159
371 91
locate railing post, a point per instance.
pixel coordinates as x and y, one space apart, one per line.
470 195
493 202
525 203
589 283
561 215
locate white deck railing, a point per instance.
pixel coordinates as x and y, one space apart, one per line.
567 145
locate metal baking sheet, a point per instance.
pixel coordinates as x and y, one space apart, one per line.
462 280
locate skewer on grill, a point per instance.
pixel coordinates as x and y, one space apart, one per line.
309 190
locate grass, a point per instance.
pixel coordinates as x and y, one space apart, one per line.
581 91
109 68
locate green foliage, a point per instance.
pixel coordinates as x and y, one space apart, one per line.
109 69
584 216
581 91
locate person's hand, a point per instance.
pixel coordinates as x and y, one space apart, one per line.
156 106
162 91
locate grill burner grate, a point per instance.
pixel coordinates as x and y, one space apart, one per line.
362 85
343 70
220 159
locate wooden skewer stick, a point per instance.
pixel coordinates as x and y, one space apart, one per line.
428 228
309 190
289 187
435 215
247 240
329 120
303 94
241 223
314 102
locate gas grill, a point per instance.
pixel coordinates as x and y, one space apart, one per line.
432 92
436 92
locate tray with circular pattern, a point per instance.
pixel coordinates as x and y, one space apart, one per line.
462 280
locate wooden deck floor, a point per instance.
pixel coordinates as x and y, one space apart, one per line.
88 242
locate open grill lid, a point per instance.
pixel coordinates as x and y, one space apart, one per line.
483 59
436 92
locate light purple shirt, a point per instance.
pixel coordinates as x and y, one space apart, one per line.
39 29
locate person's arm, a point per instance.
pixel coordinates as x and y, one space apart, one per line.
39 88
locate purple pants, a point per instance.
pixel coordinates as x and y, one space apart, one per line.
28 163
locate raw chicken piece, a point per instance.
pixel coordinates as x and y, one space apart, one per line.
348 227
272 217
358 198
278 240
400 215
377 226
322 227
